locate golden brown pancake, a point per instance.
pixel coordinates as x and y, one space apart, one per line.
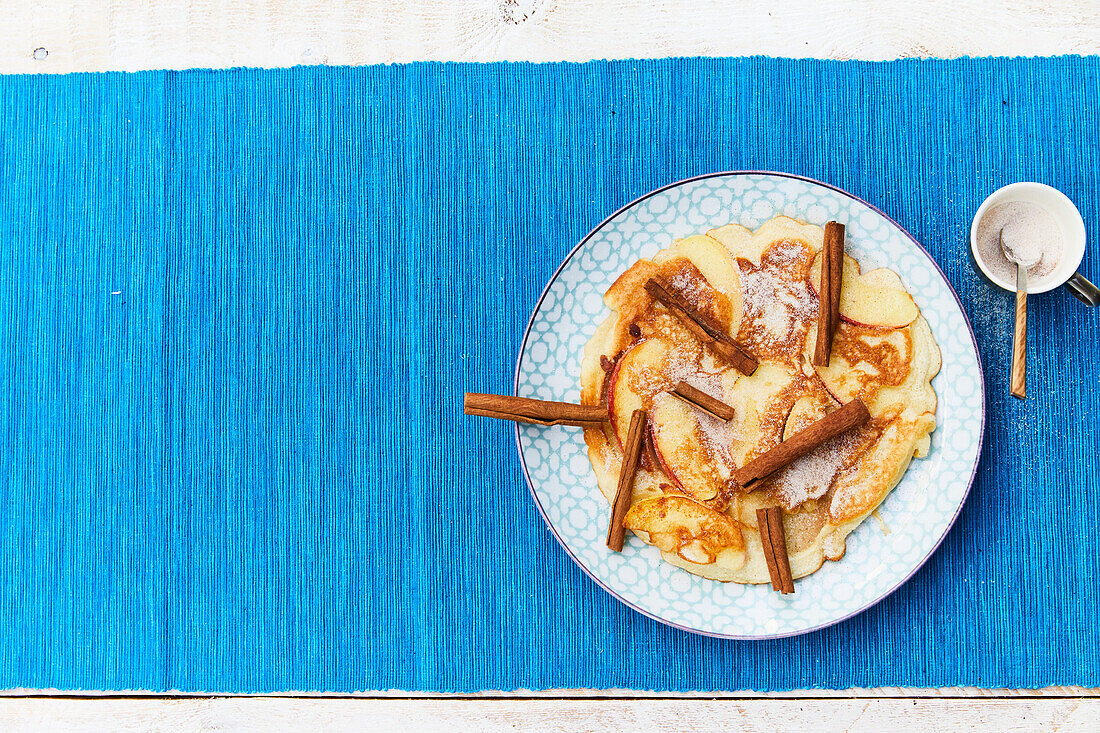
761 286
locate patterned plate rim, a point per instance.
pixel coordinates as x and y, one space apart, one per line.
702 632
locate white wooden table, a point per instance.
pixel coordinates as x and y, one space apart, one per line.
56 36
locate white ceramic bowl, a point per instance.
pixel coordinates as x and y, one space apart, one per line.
1064 213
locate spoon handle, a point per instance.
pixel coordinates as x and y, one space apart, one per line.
1019 337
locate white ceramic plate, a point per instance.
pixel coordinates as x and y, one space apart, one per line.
918 512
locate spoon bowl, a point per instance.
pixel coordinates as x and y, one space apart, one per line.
1013 256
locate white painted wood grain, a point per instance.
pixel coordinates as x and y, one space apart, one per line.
81 35
454 715
908 693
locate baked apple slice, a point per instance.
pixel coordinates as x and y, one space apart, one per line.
639 367
682 451
757 400
692 531
805 411
717 266
877 299
810 476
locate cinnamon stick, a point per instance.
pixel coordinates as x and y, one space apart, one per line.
849 416
828 292
770 522
824 343
535 412
703 401
779 543
701 327
769 549
834 238
616 532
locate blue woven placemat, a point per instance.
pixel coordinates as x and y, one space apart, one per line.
239 309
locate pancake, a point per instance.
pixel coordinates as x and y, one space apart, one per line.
760 285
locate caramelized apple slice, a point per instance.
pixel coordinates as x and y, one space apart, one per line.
805 412
682 450
757 402
717 266
692 531
638 371
811 475
877 299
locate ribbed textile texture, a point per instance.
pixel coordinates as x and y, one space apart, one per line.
239 310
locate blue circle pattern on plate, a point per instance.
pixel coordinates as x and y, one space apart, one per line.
918 512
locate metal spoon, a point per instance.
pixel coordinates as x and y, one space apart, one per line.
1018 385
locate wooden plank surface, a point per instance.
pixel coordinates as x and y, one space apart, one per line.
1050 709
80 35
547 714
907 693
